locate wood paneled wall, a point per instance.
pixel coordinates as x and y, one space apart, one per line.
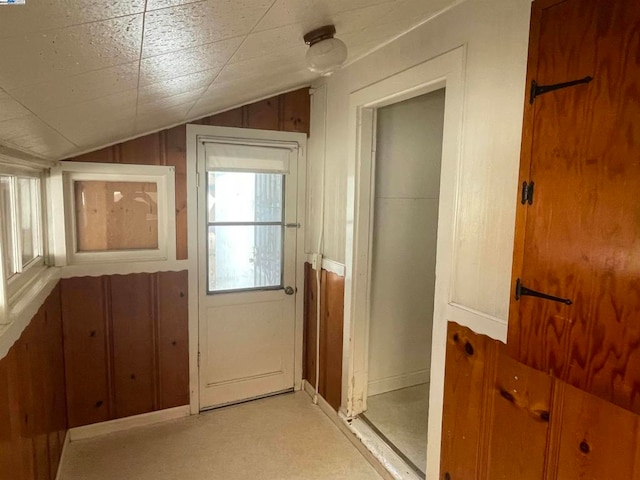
33 417
126 337
331 325
289 112
505 420
125 345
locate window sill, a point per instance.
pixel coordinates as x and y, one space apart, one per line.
25 307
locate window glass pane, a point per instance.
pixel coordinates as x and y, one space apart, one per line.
28 197
245 197
244 257
8 221
116 215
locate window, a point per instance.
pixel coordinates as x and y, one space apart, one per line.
21 228
114 213
245 230
245 214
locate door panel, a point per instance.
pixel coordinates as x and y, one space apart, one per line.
582 230
247 250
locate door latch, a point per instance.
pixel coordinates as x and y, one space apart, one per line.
289 290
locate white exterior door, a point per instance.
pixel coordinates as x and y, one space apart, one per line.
247 217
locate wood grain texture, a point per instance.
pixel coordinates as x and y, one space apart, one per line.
126 345
331 328
581 236
33 419
505 420
289 112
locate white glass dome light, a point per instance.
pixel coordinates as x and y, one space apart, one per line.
326 54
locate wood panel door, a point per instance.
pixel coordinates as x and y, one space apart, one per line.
578 228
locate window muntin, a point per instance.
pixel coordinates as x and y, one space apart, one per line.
245 224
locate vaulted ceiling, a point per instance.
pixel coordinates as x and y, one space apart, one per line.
79 74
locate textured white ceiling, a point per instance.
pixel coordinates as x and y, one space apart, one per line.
79 74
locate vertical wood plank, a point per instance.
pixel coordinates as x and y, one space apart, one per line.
296 111
598 440
55 401
175 154
85 350
104 155
173 339
230 118
310 325
333 328
133 344
263 115
9 470
518 422
463 402
142 150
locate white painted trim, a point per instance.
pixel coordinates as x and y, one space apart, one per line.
32 298
333 267
343 425
478 321
327 264
383 453
120 424
63 455
123 268
389 384
446 70
64 238
192 235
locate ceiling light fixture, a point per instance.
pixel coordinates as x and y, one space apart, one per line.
326 54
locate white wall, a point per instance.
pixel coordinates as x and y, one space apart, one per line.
407 188
495 33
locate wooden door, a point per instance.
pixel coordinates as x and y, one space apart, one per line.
578 235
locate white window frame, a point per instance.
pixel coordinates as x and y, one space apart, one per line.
64 241
13 289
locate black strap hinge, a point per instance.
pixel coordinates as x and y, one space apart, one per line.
527 193
537 90
521 291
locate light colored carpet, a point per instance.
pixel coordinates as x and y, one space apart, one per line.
278 438
402 415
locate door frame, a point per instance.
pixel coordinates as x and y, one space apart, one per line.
444 71
194 132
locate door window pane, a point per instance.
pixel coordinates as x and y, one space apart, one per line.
29 198
244 197
6 216
245 257
116 215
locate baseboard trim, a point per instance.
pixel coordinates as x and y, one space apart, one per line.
111 426
67 440
376 387
342 424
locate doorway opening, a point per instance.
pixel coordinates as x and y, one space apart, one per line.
380 278
405 200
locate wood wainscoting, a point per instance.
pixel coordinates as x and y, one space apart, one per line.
505 420
33 416
289 112
331 325
125 345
